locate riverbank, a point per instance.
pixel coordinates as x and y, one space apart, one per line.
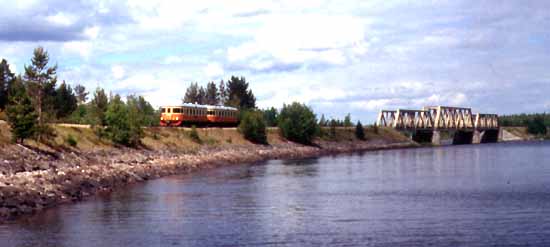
38 176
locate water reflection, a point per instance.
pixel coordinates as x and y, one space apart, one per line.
478 195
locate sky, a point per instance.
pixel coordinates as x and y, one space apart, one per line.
339 57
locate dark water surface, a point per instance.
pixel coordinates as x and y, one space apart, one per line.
475 195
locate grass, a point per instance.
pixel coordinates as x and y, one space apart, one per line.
178 139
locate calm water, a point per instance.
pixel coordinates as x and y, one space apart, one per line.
476 195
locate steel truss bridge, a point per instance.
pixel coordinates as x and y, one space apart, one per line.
429 121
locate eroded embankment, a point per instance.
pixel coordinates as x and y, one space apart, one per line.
69 176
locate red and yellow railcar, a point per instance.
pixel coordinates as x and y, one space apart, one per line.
200 115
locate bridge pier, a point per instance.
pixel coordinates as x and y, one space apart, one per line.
490 136
436 137
463 137
476 139
422 136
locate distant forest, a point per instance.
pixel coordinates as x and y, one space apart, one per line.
537 123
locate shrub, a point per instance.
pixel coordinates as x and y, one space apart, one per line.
253 126
121 124
21 115
298 123
71 141
359 131
194 135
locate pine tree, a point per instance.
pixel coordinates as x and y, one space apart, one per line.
270 116
191 94
201 96
6 79
238 94
347 121
21 115
359 131
322 121
81 94
41 79
65 101
99 105
212 94
223 93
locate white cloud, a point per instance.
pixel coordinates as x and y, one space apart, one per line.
172 60
371 105
92 32
303 38
118 72
62 19
83 48
213 70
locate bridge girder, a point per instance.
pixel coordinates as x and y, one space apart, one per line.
437 118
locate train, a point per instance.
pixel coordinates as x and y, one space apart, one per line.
198 115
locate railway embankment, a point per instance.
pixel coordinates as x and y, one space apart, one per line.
36 176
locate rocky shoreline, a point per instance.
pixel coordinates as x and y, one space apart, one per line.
31 180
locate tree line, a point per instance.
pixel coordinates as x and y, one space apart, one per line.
536 123
234 92
34 99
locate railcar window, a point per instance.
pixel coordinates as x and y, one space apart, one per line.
177 110
163 110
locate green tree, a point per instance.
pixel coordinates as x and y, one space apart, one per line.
81 94
298 123
537 126
65 101
201 96
322 121
212 94
253 126
21 115
238 94
222 96
145 113
99 105
6 80
347 121
192 94
41 79
270 116
122 124
359 131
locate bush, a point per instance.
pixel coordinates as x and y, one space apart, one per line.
359 131
21 116
71 141
194 135
253 126
121 124
298 123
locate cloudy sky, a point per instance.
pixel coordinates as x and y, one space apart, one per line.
355 56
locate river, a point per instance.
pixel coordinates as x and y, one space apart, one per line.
472 195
